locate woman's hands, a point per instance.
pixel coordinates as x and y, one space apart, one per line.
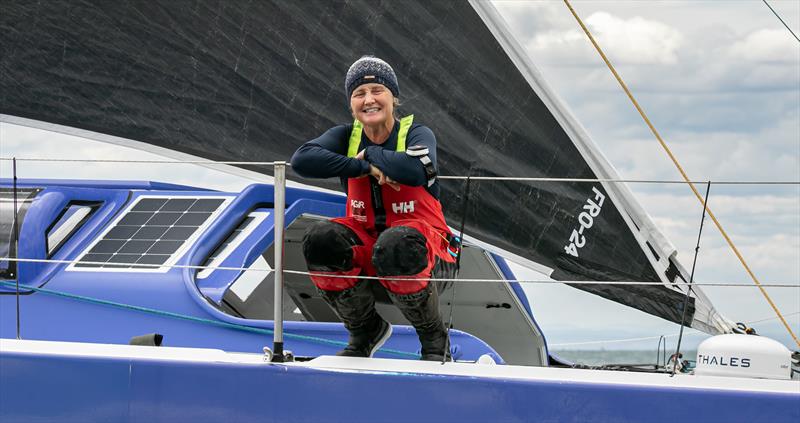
383 179
378 174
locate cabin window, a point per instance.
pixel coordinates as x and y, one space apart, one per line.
151 234
247 283
229 245
251 296
8 233
71 219
254 297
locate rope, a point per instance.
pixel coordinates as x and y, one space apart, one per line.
179 316
682 172
781 19
398 278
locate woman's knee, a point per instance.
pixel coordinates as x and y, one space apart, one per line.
400 251
328 247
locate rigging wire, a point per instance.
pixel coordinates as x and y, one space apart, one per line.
772 318
691 280
640 181
618 341
692 332
444 177
458 263
144 267
682 172
212 322
16 245
781 19
205 162
311 338
317 339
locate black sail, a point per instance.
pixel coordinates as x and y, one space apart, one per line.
251 81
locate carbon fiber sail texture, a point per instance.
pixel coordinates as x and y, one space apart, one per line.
245 81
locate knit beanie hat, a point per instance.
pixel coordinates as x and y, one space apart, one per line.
370 69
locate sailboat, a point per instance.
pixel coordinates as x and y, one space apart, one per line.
233 83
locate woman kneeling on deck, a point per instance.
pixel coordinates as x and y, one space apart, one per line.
394 227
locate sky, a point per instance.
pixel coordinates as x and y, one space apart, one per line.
720 80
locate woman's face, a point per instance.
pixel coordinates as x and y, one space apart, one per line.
372 104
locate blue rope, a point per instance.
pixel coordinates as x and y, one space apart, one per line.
197 319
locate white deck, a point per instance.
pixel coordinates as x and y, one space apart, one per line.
379 365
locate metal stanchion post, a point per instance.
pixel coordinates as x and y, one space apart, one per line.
279 208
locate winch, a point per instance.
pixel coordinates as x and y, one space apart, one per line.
739 355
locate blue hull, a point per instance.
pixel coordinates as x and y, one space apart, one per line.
93 382
37 387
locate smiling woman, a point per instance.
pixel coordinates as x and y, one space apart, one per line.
730 103
381 161
373 103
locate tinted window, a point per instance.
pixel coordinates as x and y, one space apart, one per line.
72 218
242 231
8 245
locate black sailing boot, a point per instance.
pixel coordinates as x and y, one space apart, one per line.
422 310
356 308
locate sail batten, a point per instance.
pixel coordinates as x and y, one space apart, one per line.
225 82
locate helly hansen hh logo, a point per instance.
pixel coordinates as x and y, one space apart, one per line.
404 207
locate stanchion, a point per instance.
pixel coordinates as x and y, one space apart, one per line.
279 208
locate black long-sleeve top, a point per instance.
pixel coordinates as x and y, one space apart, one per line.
326 157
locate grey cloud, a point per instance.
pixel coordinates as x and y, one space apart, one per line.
528 18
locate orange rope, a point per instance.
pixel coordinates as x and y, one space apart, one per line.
683 174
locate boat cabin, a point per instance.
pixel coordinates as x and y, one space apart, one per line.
105 261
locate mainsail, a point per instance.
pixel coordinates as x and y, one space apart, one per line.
251 81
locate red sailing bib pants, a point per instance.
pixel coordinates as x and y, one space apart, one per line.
413 207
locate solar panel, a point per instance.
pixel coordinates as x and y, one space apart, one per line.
152 231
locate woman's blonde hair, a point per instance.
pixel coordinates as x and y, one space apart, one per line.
396 103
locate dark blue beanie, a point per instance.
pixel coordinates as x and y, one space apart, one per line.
370 69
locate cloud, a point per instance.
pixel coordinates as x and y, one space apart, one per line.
532 17
716 156
627 41
636 40
765 45
765 229
689 67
